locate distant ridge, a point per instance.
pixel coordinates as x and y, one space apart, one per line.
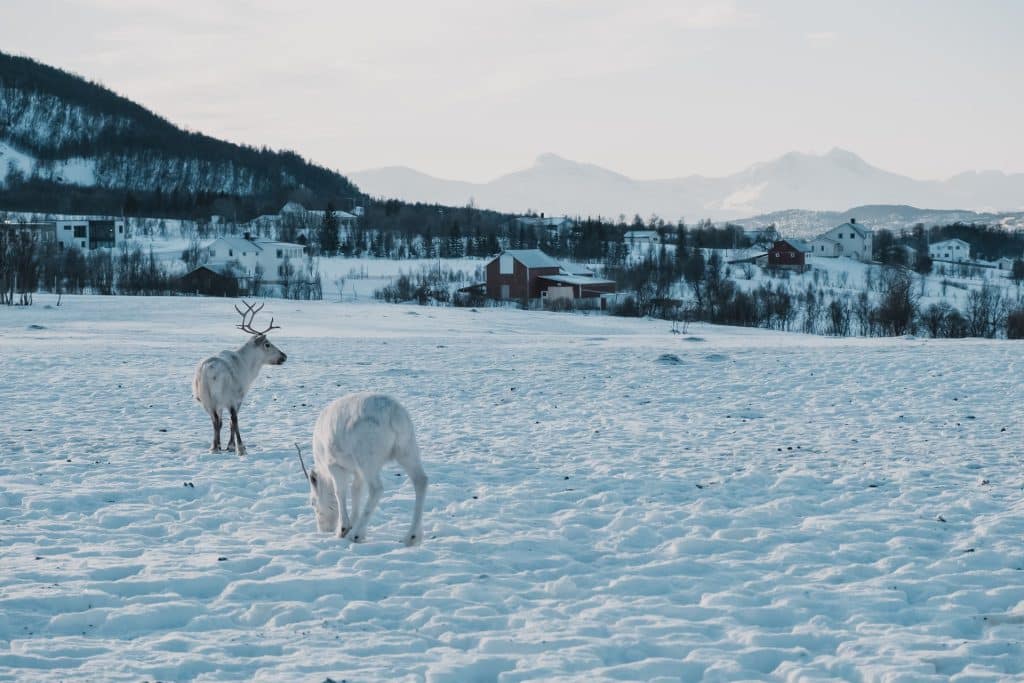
67 141
810 182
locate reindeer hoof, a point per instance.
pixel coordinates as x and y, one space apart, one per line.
358 538
343 532
215 449
411 540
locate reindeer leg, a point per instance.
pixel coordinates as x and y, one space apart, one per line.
419 482
374 488
215 416
236 437
341 484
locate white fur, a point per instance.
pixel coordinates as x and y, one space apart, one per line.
221 382
354 438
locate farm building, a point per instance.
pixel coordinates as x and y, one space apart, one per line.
531 274
207 281
788 254
849 239
247 254
950 250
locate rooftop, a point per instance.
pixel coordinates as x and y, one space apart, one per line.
533 258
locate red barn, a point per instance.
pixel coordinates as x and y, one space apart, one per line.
531 274
513 273
787 254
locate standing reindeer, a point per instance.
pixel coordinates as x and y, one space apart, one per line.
354 437
222 381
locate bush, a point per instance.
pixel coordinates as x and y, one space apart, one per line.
626 308
1015 324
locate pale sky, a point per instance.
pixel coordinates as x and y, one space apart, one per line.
473 89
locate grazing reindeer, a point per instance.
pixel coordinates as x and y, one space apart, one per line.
354 437
222 381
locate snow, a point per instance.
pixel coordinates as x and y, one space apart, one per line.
13 159
73 171
767 506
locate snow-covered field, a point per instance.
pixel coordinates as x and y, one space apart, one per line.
608 502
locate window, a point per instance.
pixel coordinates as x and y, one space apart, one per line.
280 253
67 227
506 265
840 235
79 231
231 252
120 228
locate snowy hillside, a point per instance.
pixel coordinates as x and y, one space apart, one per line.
59 129
825 182
608 501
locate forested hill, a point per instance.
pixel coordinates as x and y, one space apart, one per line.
70 145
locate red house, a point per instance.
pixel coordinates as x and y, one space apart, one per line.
787 254
531 274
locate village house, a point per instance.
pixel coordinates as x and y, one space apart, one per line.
1004 263
849 239
86 234
303 220
245 254
635 237
553 225
788 254
530 274
955 250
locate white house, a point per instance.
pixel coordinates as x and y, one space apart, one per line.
633 237
246 253
304 220
849 239
553 224
91 233
950 250
85 234
1005 263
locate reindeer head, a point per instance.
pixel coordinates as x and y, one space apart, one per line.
321 497
270 354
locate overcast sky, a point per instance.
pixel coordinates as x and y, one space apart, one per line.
471 90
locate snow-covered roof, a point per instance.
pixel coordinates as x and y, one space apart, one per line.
856 227
799 245
955 240
273 244
822 238
640 234
576 280
549 221
293 207
238 243
533 258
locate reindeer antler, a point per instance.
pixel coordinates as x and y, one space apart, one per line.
249 315
301 461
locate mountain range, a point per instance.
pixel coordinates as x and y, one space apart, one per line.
68 145
809 182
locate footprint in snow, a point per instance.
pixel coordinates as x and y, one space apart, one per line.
670 359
